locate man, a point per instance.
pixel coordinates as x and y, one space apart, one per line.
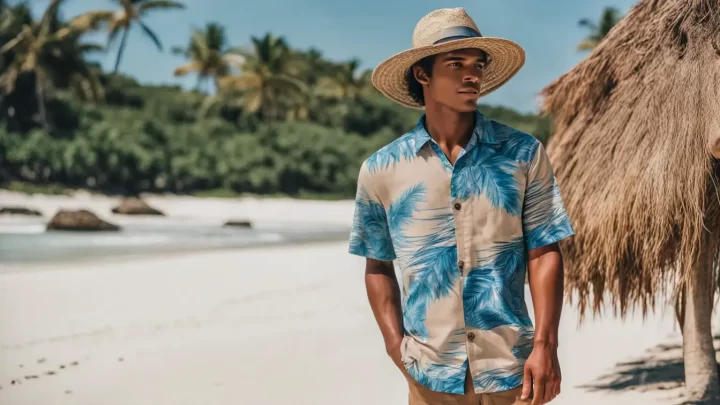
464 205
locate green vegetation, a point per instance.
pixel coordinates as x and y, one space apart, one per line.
282 121
599 30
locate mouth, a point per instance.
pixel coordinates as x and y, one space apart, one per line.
471 92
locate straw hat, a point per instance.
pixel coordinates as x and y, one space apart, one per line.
445 30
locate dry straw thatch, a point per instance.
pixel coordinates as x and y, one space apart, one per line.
630 151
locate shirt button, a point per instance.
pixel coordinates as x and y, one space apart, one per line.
457 206
471 336
461 264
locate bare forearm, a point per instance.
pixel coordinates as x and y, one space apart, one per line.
546 287
384 295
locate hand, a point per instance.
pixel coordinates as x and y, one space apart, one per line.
542 369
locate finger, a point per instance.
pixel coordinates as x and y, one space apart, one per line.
539 394
527 384
549 390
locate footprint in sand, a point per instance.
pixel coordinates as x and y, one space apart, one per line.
62 366
31 377
74 363
50 373
40 361
68 392
13 382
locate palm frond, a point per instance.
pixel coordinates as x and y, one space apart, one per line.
489 174
90 47
113 34
152 35
159 4
240 82
92 20
9 76
499 379
401 210
399 149
192 67
252 102
13 42
178 51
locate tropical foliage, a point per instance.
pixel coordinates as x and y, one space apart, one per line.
599 30
119 22
280 121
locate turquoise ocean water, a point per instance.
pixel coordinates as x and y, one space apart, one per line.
25 240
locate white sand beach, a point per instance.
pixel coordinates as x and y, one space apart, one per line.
269 325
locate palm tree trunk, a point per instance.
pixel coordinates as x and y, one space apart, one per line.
701 372
122 49
40 94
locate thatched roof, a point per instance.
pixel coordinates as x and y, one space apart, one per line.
630 150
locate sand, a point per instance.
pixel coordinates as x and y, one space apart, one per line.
272 325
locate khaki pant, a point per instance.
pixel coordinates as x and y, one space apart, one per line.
420 395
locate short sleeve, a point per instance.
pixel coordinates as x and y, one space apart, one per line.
544 219
370 234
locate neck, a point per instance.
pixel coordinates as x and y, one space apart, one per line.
447 127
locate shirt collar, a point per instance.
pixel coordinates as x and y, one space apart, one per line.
483 133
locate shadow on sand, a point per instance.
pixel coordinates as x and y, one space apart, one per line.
661 368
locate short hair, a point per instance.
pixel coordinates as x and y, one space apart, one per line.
415 89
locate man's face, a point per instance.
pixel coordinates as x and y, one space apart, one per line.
455 80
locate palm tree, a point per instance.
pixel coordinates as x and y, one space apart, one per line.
51 51
609 18
344 82
268 82
12 20
132 12
209 55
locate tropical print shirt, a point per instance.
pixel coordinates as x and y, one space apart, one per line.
460 236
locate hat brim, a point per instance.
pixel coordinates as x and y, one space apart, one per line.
507 59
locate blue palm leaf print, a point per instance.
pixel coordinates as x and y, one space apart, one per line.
370 233
487 304
433 278
517 145
499 379
488 173
544 220
415 309
446 377
402 148
434 273
493 292
507 255
524 345
400 213
455 348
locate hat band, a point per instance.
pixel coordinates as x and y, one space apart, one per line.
453 33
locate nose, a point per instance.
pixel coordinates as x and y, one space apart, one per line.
471 78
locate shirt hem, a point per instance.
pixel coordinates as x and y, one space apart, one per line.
550 241
368 255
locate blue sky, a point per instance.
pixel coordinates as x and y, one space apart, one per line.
369 30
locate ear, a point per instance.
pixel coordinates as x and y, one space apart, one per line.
715 146
420 75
